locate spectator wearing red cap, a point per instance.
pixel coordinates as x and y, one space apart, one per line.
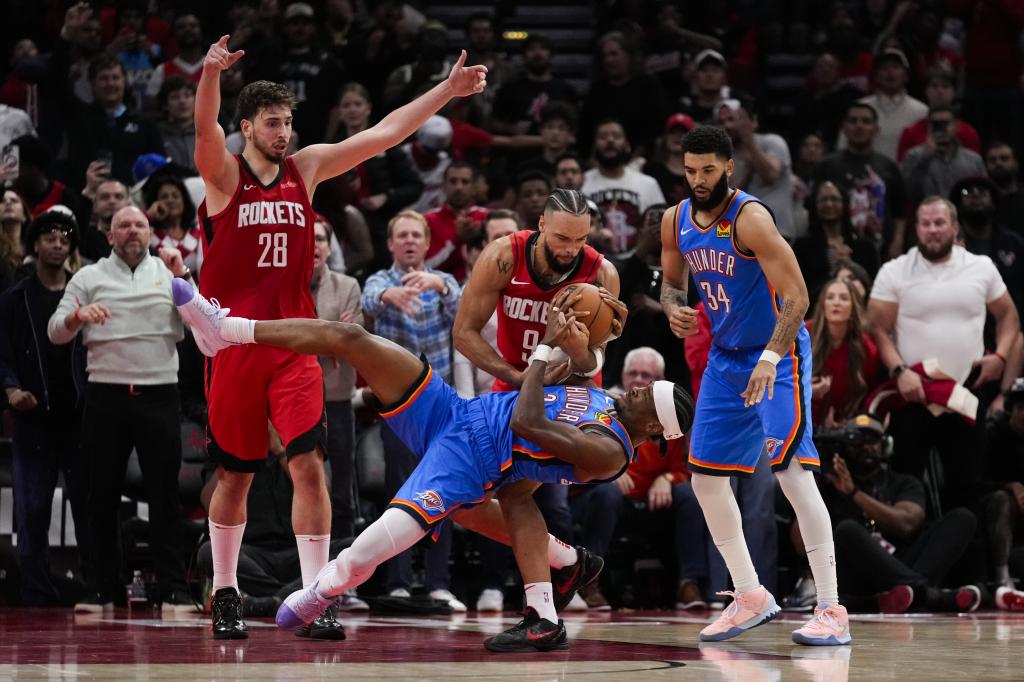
667 165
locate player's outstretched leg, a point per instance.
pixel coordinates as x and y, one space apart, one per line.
388 368
393 533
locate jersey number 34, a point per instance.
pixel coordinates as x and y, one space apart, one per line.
716 300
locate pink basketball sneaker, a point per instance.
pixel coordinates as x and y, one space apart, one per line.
829 627
748 610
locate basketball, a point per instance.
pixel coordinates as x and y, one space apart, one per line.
599 321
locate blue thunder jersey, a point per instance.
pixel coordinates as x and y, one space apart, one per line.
739 301
579 406
466 449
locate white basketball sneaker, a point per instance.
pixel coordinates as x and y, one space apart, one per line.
203 317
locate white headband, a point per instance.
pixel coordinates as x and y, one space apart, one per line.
665 404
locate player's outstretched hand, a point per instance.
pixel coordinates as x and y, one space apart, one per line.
219 58
762 380
683 321
620 308
467 80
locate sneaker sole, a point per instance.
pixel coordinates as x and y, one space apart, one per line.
831 640
287 619
736 631
325 634
524 648
234 634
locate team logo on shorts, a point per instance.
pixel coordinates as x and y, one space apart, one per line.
771 446
431 501
724 229
603 418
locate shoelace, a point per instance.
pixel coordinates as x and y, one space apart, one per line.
732 608
827 618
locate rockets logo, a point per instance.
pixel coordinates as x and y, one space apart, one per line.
724 229
431 501
771 446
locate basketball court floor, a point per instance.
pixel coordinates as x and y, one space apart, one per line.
624 645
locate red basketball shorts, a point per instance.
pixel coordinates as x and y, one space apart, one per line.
246 386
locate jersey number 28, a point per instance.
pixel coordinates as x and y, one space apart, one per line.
275 250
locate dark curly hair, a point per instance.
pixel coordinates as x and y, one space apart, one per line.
708 140
261 95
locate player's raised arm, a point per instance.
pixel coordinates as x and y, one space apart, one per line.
319 162
594 456
479 298
212 158
682 319
758 234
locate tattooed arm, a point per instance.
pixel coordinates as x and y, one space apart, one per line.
682 319
491 274
757 233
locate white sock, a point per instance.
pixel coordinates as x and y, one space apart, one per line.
722 515
540 596
393 533
314 553
822 559
238 330
560 554
815 528
225 543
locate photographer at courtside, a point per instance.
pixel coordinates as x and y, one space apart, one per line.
889 557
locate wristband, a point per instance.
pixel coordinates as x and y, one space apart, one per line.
770 356
897 371
542 353
599 363
185 275
999 355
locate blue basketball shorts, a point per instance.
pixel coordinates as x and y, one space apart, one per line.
728 438
450 436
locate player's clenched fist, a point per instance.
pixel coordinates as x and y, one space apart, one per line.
218 58
683 321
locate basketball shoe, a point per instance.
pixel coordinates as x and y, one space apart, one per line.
567 581
226 609
747 610
304 606
324 626
203 317
829 627
532 633
1009 599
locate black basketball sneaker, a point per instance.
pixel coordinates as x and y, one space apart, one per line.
568 581
226 609
532 633
326 626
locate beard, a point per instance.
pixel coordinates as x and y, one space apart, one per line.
613 158
1002 178
936 253
716 197
557 265
268 152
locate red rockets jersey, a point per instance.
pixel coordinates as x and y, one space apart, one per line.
258 252
523 303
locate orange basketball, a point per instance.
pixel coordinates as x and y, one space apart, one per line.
599 321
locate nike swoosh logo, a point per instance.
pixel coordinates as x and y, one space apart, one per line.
248 187
682 233
542 635
563 588
515 281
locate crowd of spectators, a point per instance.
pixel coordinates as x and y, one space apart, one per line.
883 135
